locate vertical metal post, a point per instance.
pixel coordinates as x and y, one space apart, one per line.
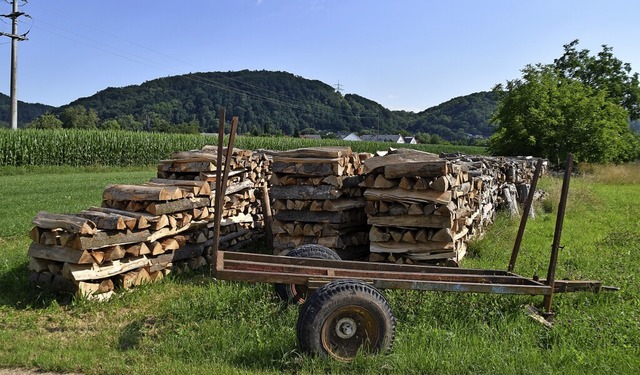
266 211
553 261
222 175
525 216
217 205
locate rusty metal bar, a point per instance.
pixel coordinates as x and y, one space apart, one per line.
320 270
365 266
217 204
555 247
475 287
268 219
222 175
525 216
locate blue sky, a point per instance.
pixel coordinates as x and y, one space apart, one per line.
403 54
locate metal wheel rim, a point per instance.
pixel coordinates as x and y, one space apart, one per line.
366 332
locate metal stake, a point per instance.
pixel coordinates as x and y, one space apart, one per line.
551 274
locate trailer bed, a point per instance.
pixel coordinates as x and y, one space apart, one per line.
314 273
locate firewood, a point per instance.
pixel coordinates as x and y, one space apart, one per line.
382 183
70 223
141 193
81 272
410 196
60 254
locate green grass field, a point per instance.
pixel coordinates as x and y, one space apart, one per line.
189 324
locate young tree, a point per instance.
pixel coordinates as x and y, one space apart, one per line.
46 121
550 112
78 117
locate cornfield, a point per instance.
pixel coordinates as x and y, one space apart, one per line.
119 148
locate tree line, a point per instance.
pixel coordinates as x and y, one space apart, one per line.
267 103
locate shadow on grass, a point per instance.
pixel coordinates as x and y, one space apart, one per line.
18 293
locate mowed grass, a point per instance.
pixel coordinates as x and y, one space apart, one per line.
190 324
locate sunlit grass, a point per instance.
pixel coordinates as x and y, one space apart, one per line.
189 324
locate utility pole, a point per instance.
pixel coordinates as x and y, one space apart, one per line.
15 38
338 87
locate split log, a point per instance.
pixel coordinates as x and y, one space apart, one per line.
308 166
434 168
200 187
141 193
409 196
59 254
399 156
322 216
81 272
317 152
107 221
161 208
70 223
305 192
431 221
393 247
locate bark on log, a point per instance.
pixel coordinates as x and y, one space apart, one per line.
70 223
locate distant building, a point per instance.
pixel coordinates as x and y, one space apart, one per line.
410 140
350 137
395 138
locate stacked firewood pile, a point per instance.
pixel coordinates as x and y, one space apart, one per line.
423 208
143 232
317 200
243 218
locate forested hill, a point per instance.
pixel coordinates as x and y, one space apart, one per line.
274 103
26 111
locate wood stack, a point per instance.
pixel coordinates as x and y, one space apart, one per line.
243 218
317 200
97 249
424 208
142 232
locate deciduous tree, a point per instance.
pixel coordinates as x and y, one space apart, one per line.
550 112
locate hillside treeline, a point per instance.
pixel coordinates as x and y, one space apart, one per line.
267 103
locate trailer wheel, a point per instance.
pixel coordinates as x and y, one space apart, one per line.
343 317
296 294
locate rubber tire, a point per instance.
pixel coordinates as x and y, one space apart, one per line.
295 294
345 300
